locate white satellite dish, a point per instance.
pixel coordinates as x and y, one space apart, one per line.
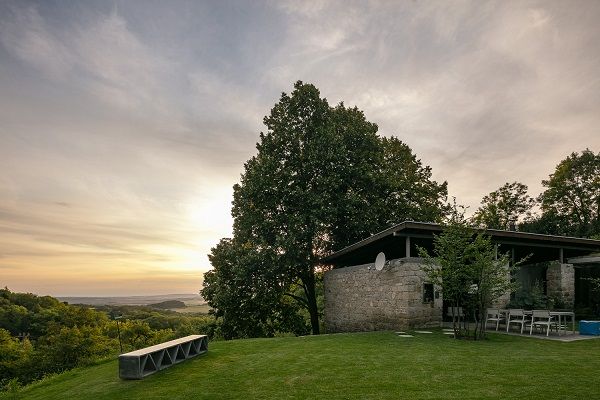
380 261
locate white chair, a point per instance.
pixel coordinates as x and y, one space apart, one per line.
516 316
493 314
456 311
541 318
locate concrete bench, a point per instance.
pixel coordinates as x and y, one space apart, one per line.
140 363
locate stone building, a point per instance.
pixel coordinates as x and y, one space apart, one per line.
359 297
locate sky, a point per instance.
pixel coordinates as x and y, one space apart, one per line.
125 124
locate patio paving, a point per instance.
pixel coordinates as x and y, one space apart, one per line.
565 337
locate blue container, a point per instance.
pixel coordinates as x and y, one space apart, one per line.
589 328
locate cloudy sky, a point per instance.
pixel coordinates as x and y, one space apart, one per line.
124 125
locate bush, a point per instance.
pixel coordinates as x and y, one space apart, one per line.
65 336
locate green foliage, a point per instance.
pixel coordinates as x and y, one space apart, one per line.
136 334
406 191
165 305
504 206
532 298
249 304
54 337
180 324
491 278
66 347
467 268
449 268
13 318
571 202
595 284
321 180
15 357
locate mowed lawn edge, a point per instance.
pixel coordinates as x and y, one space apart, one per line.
375 365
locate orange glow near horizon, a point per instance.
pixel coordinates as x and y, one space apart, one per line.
66 251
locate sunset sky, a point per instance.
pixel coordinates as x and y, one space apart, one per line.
124 125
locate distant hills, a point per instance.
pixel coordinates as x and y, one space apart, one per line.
168 304
187 299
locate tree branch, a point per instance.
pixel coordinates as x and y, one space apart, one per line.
299 299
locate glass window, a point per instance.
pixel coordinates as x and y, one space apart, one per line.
427 292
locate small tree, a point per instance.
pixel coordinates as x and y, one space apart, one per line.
448 269
467 268
490 273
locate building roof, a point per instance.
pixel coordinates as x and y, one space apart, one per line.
426 230
584 260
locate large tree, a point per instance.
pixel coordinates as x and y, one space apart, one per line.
322 179
504 206
570 204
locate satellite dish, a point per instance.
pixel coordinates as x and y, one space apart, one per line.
380 261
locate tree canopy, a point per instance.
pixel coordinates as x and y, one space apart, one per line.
570 204
508 204
321 180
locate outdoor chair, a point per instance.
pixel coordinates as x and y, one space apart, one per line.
493 315
456 311
541 318
516 316
458 314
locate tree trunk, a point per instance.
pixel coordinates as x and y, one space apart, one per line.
311 297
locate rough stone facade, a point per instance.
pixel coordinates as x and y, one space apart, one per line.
360 298
560 280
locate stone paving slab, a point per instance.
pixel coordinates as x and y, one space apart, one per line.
562 338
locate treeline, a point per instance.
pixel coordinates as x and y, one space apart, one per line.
568 206
40 335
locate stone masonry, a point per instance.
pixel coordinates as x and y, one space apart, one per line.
360 298
561 282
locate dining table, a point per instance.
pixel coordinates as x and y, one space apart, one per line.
564 315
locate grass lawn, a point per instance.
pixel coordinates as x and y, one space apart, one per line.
376 365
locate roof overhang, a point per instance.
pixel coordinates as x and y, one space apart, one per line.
591 259
428 230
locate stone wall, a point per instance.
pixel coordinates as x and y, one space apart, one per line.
360 298
561 282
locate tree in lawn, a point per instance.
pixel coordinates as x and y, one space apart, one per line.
448 267
318 183
570 204
490 273
504 206
468 270
286 200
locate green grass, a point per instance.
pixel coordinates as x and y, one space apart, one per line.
353 366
